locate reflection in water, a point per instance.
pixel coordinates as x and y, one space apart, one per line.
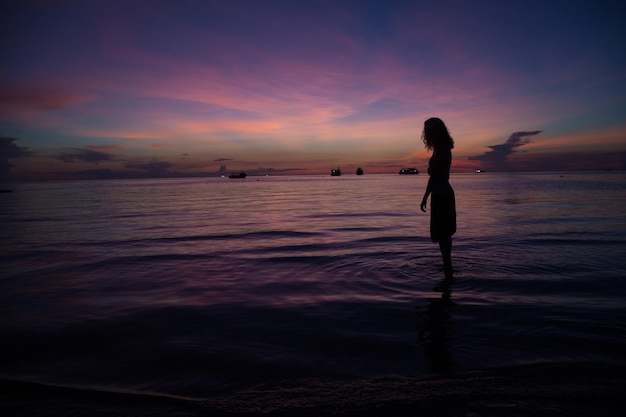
434 331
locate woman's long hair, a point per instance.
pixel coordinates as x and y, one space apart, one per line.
435 134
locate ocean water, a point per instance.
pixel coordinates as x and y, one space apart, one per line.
313 295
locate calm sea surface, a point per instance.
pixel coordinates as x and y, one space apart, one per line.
212 287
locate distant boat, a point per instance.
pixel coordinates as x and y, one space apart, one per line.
359 171
408 171
335 172
240 175
479 171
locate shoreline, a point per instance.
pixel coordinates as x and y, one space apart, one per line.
574 389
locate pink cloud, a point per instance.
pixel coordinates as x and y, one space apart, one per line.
33 99
571 161
608 139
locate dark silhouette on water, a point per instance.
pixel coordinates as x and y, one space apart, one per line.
240 175
442 203
335 172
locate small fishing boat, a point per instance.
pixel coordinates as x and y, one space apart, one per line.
240 175
335 172
408 171
359 171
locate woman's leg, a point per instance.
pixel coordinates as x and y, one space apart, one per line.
445 245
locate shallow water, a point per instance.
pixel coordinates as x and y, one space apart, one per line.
212 286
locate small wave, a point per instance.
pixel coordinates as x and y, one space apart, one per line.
560 240
225 236
358 215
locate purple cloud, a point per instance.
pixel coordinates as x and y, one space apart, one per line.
85 155
497 157
9 150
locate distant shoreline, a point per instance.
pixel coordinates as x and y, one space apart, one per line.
490 173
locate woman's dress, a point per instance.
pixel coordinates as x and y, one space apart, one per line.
442 202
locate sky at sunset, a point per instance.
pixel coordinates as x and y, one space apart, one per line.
117 89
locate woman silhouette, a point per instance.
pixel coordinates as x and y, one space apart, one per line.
442 203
